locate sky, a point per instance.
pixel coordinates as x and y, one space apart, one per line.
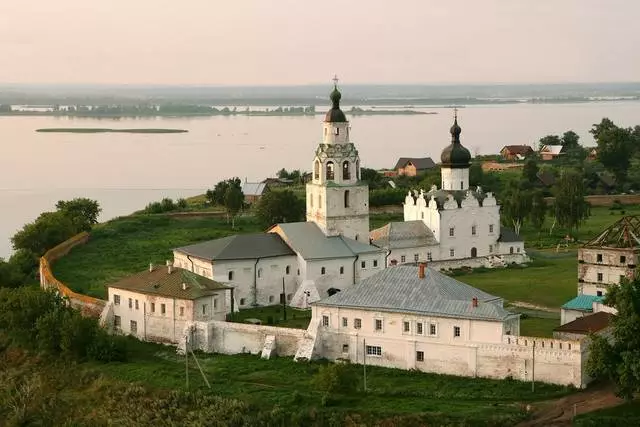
297 42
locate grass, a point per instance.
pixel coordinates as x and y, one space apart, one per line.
274 315
626 414
538 326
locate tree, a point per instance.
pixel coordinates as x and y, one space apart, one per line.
570 139
549 140
278 207
616 147
618 359
538 211
570 206
83 212
516 205
476 174
217 195
47 231
233 199
530 171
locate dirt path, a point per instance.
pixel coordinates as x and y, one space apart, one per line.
533 306
560 412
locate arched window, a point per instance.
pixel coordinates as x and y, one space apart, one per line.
287 269
320 201
474 252
346 198
330 171
323 270
341 270
357 169
346 172
259 272
316 169
230 275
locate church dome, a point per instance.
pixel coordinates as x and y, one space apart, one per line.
455 155
335 114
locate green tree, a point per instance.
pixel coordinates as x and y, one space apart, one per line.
570 206
233 199
549 140
278 207
618 359
538 212
570 139
336 378
530 171
217 194
616 147
83 212
476 174
47 231
516 205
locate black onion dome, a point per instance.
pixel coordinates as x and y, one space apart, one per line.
455 155
335 114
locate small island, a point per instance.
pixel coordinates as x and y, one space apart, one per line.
105 130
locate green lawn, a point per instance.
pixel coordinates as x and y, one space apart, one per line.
274 315
627 414
538 326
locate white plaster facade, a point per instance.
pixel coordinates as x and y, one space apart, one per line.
601 267
454 179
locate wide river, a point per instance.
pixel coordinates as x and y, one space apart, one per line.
124 172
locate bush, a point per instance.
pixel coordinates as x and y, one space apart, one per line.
336 378
181 203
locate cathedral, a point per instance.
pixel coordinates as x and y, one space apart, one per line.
451 227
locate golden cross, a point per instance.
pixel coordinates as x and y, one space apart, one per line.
335 80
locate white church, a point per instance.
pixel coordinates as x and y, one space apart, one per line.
299 263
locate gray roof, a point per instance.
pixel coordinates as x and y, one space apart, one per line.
407 234
307 239
399 289
420 163
508 235
240 246
253 188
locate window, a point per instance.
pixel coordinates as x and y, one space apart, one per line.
432 329
137 306
421 215
490 249
153 307
345 348
403 259
330 171
336 130
419 356
345 322
242 301
623 259
134 327
419 329
323 270
599 277
357 323
378 324
341 270
259 273
204 309
130 303
346 198
117 322
356 237
163 308
270 298
346 172
325 321
363 264
311 200
429 256
116 299
599 257
230 275
374 350
456 331
462 185
375 262
298 272
181 311
511 249
215 303
599 293
452 231
316 170
289 296
287 270
416 257
490 228
452 252
406 327
473 230
518 250
320 201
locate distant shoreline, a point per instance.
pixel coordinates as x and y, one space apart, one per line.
105 130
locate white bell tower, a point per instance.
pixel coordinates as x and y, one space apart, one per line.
336 198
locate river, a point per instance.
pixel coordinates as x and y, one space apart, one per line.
124 172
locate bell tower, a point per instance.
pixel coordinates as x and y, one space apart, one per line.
337 201
456 160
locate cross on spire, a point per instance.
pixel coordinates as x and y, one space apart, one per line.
455 113
335 80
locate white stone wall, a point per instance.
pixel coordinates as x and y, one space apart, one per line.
463 221
326 207
599 268
154 325
199 266
455 179
567 315
335 133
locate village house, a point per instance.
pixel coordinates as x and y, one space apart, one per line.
253 191
516 152
551 152
581 327
413 166
156 304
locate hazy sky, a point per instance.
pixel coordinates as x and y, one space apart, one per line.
236 42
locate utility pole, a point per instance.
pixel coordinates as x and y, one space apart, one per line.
533 368
284 300
364 361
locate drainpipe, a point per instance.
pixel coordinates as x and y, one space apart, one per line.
387 257
355 261
255 282
192 267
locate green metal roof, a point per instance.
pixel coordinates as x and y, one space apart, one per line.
582 302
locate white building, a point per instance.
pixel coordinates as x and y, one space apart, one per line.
300 262
453 226
157 304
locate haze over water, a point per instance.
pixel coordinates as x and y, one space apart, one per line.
127 171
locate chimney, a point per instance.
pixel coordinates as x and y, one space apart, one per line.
421 268
169 266
150 267
474 302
